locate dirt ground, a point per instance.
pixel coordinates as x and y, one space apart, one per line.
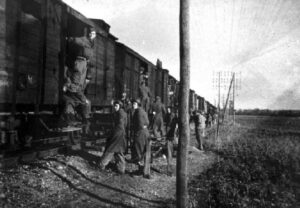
73 180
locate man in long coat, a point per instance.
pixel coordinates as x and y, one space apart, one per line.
116 145
142 146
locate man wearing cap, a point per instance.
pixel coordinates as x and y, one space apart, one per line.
116 145
77 76
141 146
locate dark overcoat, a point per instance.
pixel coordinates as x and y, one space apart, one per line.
171 122
117 143
140 124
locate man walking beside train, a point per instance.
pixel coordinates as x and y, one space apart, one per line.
116 145
199 121
141 142
79 52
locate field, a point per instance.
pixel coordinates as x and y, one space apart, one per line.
279 123
259 165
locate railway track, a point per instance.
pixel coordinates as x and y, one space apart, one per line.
54 146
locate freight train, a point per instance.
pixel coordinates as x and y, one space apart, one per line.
33 60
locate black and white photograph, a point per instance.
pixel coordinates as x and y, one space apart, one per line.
150 103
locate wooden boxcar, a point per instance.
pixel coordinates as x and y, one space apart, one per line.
33 55
34 50
130 69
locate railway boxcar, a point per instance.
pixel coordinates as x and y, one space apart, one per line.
33 39
131 68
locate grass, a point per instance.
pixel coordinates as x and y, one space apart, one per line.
257 168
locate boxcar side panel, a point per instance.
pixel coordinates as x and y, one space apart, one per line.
51 84
29 53
5 82
119 72
95 89
110 89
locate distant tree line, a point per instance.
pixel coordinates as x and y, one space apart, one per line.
267 112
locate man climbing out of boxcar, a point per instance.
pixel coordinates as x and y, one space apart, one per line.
116 145
199 120
158 110
79 52
145 95
142 145
172 122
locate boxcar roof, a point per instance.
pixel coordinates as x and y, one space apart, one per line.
129 50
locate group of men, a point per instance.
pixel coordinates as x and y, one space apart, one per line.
135 118
126 118
130 117
116 145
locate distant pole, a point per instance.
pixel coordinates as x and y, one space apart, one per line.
218 121
227 98
233 92
184 131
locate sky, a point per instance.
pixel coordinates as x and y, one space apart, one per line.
259 40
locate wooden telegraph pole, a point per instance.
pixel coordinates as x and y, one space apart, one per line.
184 131
233 92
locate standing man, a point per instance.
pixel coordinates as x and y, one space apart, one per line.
116 145
142 146
80 50
199 121
158 110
